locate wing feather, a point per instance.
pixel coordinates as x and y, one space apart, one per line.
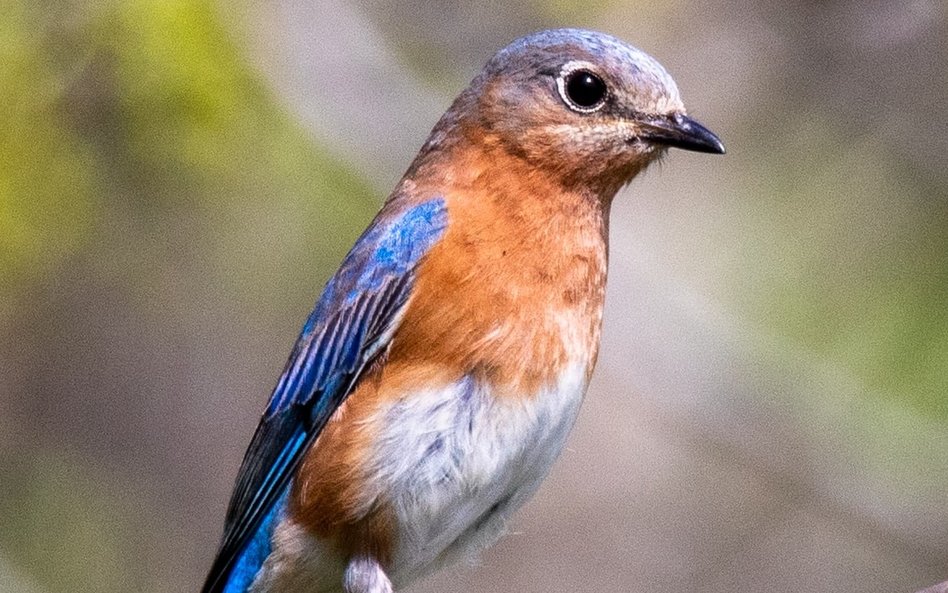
351 324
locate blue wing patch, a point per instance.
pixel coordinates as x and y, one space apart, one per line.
351 324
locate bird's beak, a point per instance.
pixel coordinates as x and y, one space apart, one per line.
680 131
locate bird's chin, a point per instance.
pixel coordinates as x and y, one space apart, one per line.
642 152
635 157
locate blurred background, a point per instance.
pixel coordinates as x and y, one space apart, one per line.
178 178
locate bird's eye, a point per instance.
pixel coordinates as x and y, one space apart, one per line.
582 91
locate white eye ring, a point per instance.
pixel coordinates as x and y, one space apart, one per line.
563 81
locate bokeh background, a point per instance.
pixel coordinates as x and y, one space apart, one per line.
178 178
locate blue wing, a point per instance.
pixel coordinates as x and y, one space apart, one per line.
351 324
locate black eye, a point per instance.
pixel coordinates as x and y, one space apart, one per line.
583 91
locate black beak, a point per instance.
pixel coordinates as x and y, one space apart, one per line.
680 131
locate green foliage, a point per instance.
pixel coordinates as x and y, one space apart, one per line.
856 273
137 146
152 118
47 190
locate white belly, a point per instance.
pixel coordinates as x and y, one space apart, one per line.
458 461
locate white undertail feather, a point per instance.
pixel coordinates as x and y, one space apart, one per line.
365 575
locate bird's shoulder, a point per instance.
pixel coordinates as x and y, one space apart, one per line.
513 290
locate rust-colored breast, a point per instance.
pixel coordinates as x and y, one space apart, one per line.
511 294
515 288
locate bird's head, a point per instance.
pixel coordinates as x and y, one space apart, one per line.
581 105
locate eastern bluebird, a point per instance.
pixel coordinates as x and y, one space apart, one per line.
437 378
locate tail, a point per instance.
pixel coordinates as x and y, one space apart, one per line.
236 573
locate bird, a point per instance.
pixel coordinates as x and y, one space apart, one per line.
439 374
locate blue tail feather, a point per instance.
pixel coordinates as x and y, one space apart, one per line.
251 558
